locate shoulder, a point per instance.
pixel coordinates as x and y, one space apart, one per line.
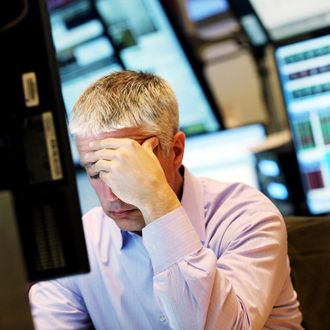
235 209
233 196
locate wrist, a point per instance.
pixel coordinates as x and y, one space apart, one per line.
163 203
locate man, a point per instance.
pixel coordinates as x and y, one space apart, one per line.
167 250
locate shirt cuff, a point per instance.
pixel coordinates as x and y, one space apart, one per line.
169 239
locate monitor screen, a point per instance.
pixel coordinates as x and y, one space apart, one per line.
287 18
304 71
225 155
199 10
133 34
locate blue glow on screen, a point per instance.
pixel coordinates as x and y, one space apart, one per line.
202 9
225 155
277 191
269 167
304 70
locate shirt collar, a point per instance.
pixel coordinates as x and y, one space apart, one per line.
193 203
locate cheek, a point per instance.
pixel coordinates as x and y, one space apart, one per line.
101 193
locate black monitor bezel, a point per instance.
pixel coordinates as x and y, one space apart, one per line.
241 8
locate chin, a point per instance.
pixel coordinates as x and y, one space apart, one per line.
129 226
128 222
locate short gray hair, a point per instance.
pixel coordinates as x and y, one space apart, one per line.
127 99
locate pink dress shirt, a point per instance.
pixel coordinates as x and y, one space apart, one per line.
217 262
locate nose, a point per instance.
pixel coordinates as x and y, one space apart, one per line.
108 194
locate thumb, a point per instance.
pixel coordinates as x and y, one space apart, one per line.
151 143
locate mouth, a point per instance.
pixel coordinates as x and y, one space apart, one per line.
121 213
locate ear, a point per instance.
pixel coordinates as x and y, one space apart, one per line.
178 148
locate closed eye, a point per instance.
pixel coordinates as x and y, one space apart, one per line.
95 177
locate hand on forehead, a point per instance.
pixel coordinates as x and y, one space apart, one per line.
109 148
117 142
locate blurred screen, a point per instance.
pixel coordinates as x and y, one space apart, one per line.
249 22
304 70
225 155
135 34
287 18
199 10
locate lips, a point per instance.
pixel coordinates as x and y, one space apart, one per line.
121 213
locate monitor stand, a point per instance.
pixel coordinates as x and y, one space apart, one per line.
14 304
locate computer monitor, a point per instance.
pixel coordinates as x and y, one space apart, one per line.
225 155
283 19
304 72
35 161
94 38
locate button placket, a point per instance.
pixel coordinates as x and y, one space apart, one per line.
163 319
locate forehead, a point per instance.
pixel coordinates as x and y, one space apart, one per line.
134 133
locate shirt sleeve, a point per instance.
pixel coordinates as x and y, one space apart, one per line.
66 311
199 290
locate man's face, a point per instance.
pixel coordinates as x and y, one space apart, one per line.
128 217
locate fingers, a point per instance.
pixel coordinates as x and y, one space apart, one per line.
106 154
110 143
116 143
151 143
101 166
105 176
111 148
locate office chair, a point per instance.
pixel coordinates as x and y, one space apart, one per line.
309 253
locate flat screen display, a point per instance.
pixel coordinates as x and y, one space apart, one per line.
287 18
225 155
304 71
92 41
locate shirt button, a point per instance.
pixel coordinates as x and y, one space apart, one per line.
151 249
162 318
